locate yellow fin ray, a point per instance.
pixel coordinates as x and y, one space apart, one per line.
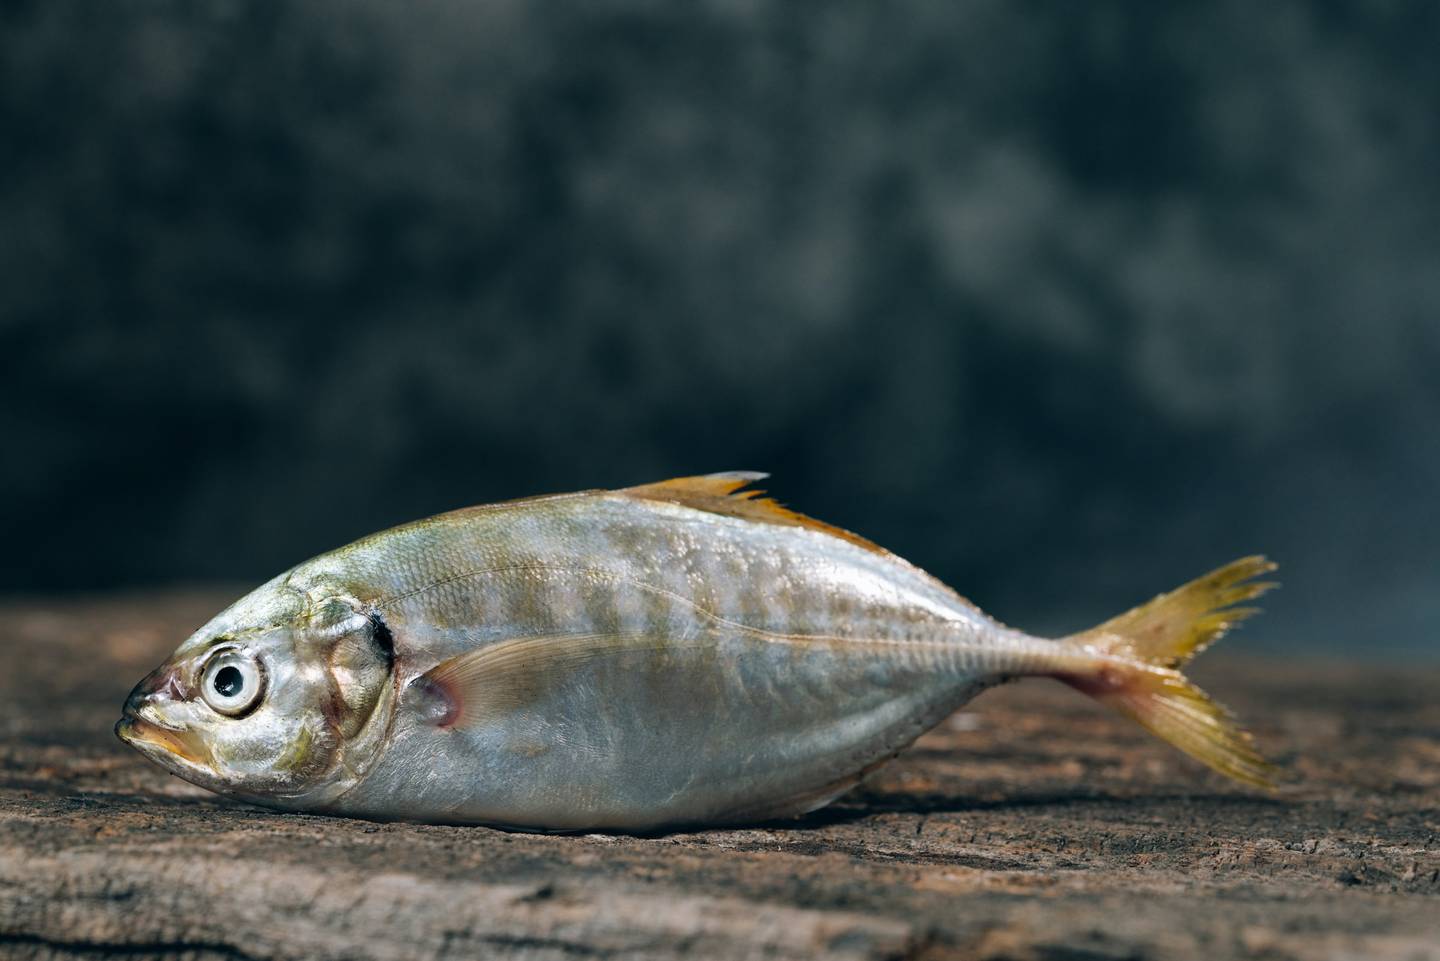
1171 629
722 494
1132 663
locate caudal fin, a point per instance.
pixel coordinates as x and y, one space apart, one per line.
1132 662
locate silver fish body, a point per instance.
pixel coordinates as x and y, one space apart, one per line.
614 659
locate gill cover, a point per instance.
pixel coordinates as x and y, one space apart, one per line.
359 656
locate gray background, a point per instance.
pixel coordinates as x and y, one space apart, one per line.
1065 302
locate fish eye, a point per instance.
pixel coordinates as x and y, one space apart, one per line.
232 683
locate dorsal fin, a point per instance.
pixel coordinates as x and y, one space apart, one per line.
723 494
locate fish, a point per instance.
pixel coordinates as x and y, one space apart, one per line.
683 653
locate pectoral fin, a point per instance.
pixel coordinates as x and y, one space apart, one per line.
511 675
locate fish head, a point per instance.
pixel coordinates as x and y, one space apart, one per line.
273 700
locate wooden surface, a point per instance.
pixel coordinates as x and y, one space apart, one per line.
1033 826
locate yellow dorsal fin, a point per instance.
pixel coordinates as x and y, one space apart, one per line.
722 494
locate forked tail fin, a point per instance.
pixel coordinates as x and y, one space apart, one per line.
1132 662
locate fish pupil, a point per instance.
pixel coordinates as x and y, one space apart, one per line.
229 681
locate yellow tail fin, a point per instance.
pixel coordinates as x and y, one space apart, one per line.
1135 659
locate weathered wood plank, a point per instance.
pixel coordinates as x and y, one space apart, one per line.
1033 827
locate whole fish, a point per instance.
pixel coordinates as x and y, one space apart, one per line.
680 653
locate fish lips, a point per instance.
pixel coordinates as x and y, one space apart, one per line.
158 743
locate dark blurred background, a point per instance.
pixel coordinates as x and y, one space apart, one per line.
1065 302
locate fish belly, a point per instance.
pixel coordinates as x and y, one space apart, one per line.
719 729
747 671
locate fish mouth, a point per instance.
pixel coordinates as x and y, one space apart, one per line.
158 742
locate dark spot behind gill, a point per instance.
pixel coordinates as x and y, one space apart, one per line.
384 640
